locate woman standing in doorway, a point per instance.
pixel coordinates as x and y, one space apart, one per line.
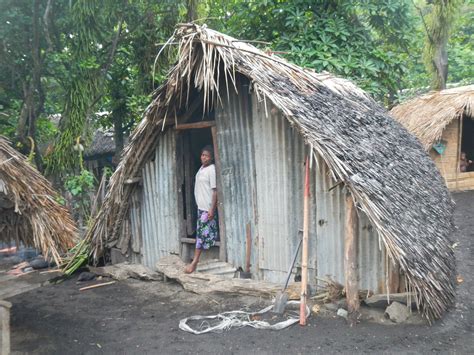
205 193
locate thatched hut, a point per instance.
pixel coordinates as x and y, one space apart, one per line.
443 121
29 210
264 115
101 151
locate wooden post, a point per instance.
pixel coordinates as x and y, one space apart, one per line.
5 327
350 258
304 253
220 197
458 155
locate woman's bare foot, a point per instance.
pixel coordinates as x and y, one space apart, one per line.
190 268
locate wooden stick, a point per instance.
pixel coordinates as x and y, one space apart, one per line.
196 125
350 257
304 257
50 271
26 273
97 285
248 247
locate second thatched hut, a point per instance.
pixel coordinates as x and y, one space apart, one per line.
444 123
30 212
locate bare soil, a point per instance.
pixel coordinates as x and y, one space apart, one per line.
142 317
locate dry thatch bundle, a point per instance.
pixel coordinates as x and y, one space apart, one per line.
385 168
427 116
29 211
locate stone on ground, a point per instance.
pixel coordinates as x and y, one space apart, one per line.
397 312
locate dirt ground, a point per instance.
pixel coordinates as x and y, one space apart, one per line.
142 317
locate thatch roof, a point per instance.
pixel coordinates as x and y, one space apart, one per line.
29 211
383 166
428 115
103 143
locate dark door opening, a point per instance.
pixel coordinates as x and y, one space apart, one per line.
467 141
193 141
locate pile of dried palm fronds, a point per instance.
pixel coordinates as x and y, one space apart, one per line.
384 167
30 212
427 116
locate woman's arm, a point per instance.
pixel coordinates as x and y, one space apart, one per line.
212 210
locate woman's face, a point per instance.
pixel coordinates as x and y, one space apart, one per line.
206 158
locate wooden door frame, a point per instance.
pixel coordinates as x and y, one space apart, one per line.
220 204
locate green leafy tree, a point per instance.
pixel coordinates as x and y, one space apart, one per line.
367 40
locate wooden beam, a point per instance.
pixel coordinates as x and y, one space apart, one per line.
196 125
458 157
351 267
220 197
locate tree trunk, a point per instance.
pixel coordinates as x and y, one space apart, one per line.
440 63
118 135
191 6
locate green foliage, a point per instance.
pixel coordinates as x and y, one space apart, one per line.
364 40
81 187
80 184
461 47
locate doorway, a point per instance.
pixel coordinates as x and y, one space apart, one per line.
191 138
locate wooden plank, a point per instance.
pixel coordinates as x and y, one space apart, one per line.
196 125
220 197
188 185
180 184
193 241
393 277
351 267
459 150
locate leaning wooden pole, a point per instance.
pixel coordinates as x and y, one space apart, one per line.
350 258
304 254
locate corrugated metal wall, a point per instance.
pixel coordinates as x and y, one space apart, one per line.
280 155
330 237
236 153
159 213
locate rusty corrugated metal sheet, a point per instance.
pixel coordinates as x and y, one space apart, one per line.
236 153
159 215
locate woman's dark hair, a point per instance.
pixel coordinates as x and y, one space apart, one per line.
209 149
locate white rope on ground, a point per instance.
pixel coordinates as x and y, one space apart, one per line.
238 319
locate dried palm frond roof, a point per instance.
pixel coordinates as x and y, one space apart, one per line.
103 143
29 210
384 167
428 115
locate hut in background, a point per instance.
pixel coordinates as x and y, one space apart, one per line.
444 123
100 153
30 213
264 115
